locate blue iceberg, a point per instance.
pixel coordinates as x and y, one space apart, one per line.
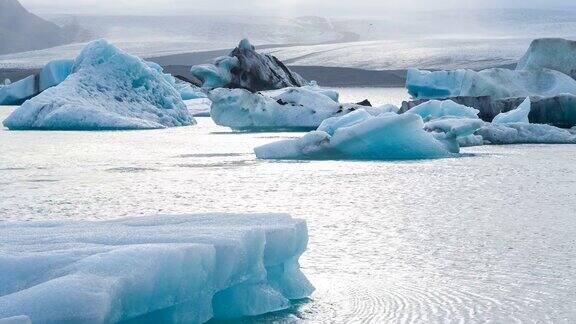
550 53
496 83
158 269
361 135
52 74
108 89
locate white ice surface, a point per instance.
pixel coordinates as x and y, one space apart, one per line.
199 107
518 115
288 108
158 269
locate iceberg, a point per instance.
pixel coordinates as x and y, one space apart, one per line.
435 109
157 269
199 107
559 111
187 91
496 83
362 136
246 69
302 108
107 90
52 74
550 53
523 133
518 115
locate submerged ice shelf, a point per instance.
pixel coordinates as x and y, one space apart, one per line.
164 269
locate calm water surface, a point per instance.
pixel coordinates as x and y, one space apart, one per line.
490 237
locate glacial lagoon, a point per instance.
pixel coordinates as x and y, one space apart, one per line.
485 237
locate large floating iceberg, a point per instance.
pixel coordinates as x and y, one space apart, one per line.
496 83
302 108
550 53
108 89
363 136
161 269
245 68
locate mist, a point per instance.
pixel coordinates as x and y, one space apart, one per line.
365 8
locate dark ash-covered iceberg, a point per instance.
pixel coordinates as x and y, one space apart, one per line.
246 69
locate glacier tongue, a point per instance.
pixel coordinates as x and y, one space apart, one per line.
158 269
108 89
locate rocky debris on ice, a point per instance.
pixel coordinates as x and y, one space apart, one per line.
246 69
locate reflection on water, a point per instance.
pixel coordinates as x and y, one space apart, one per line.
486 238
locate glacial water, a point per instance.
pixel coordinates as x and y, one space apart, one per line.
489 237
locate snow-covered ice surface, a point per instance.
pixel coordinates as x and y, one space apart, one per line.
493 243
294 108
169 269
108 89
497 83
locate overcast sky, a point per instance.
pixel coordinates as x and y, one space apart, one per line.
280 7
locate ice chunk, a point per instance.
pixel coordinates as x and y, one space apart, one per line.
245 68
435 109
52 74
286 109
523 133
362 136
159 269
7 82
550 53
518 115
108 89
17 92
497 83
199 107
187 90
454 126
